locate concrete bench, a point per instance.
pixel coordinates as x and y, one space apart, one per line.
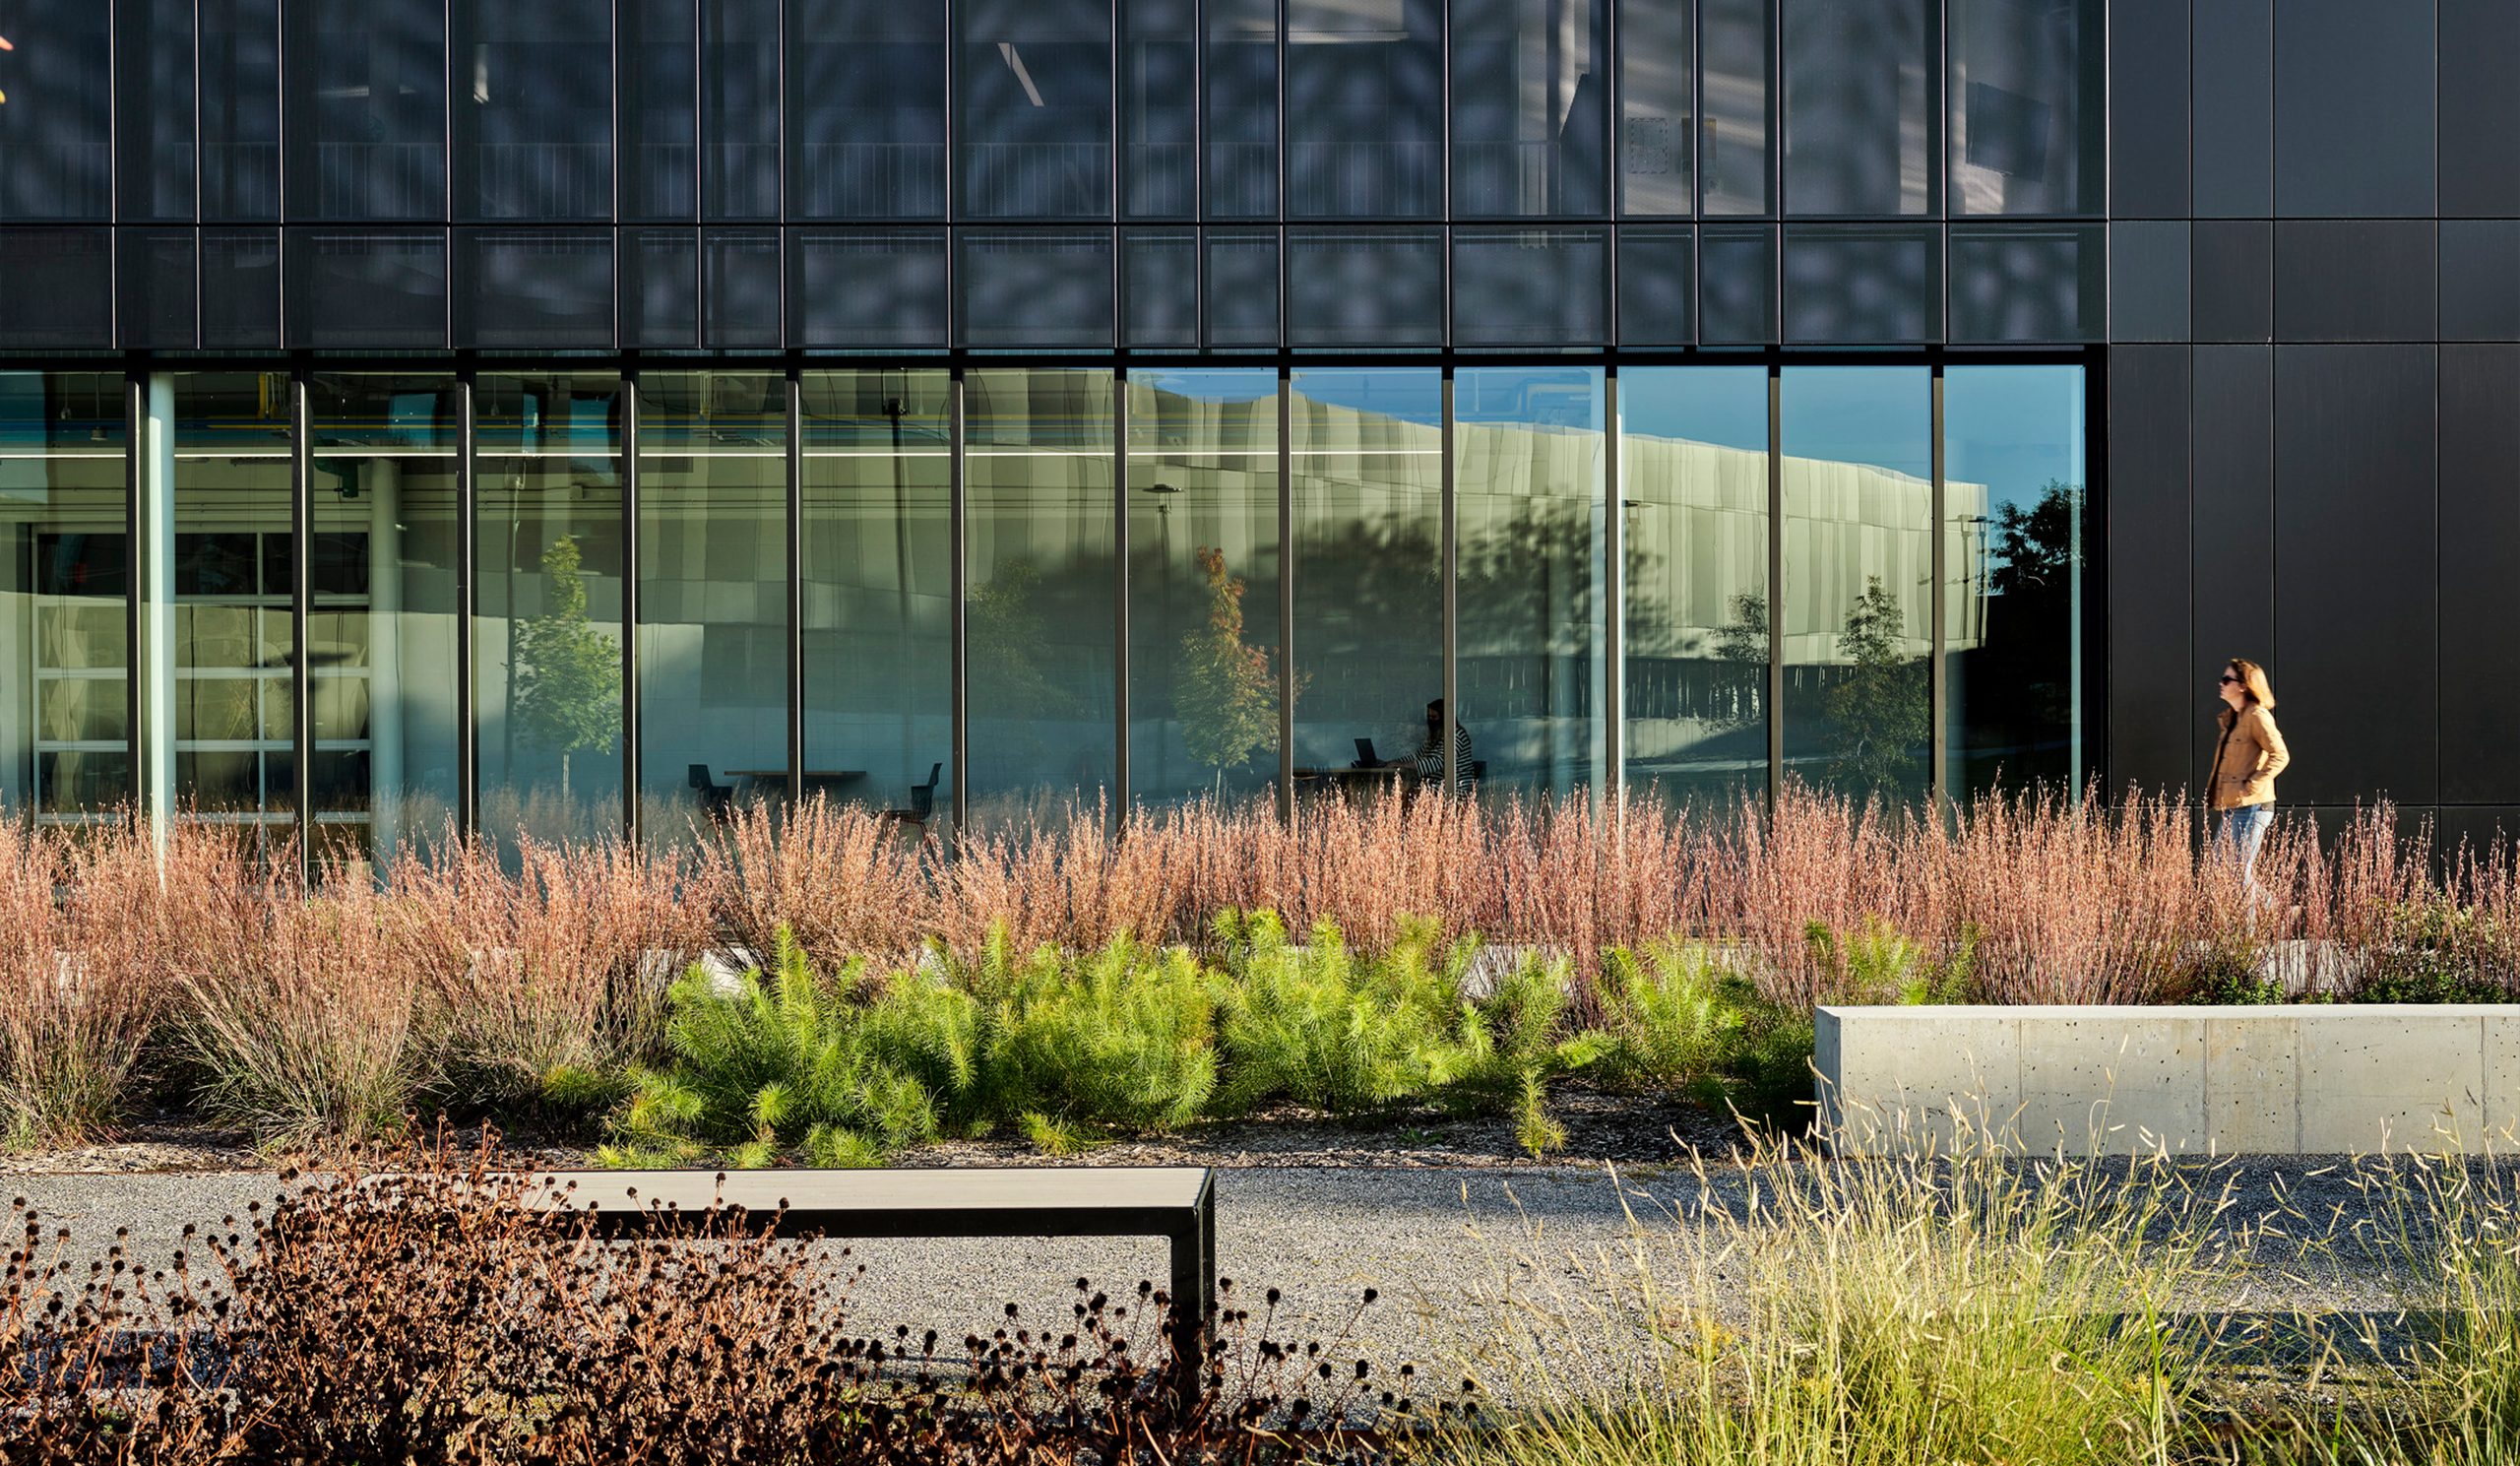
1176 1203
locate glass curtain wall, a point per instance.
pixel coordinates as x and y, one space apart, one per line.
548 646
2013 497
879 593
1859 558
1041 629
382 608
712 597
1531 108
1204 645
1526 472
1365 122
1368 486
234 724
1693 469
65 689
1032 87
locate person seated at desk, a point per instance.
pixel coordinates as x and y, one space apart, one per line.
1430 754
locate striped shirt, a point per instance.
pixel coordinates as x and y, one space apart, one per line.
1431 760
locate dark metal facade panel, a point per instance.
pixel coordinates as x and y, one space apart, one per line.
2355 106
2148 109
2356 565
2233 95
2356 279
2233 460
2232 280
2480 636
2148 274
2479 108
2481 279
2151 702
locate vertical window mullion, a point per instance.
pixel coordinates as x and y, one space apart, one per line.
1120 797
1612 781
1444 739
1286 601
957 524
134 662
468 705
1937 739
302 565
1776 585
630 605
796 590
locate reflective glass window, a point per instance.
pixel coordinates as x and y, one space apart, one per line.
367 287
537 289
239 102
240 287
1365 288
866 133
368 103
739 104
65 692
1736 49
60 286
1159 109
154 112
231 678
2029 282
1240 289
1693 469
1243 109
1861 101
1033 122
1368 447
1039 634
1858 578
1658 109
1542 287
1657 287
160 302
660 289
866 286
382 612
1204 648
534 110
712 597
1365 108
1862 284
879 594
658 46
2027 106
56 129
1038 289
2012 605
1528 458
738 288
1736 284
547 650
1531 108
1160 284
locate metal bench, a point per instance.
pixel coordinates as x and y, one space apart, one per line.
1176 1203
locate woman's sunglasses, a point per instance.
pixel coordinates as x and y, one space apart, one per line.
2226 678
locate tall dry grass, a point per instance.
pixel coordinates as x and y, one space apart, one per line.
482 973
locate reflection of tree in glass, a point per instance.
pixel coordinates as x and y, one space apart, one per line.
1010 658
2017 684
1878 705
1741 646
1225 693
568 677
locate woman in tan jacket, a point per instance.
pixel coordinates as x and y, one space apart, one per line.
2246 758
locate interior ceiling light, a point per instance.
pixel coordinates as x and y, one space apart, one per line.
1015 63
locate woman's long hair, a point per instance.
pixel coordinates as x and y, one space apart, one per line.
2252 682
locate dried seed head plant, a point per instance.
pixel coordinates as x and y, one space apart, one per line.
511 1333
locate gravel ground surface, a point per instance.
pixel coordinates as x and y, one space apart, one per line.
1472 1262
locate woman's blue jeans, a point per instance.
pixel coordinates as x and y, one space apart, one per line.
2241 832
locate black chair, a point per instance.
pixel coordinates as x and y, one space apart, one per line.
715 799
922 803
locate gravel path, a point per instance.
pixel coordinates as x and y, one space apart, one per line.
1467 1261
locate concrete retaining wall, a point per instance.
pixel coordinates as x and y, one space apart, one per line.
2297 1080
